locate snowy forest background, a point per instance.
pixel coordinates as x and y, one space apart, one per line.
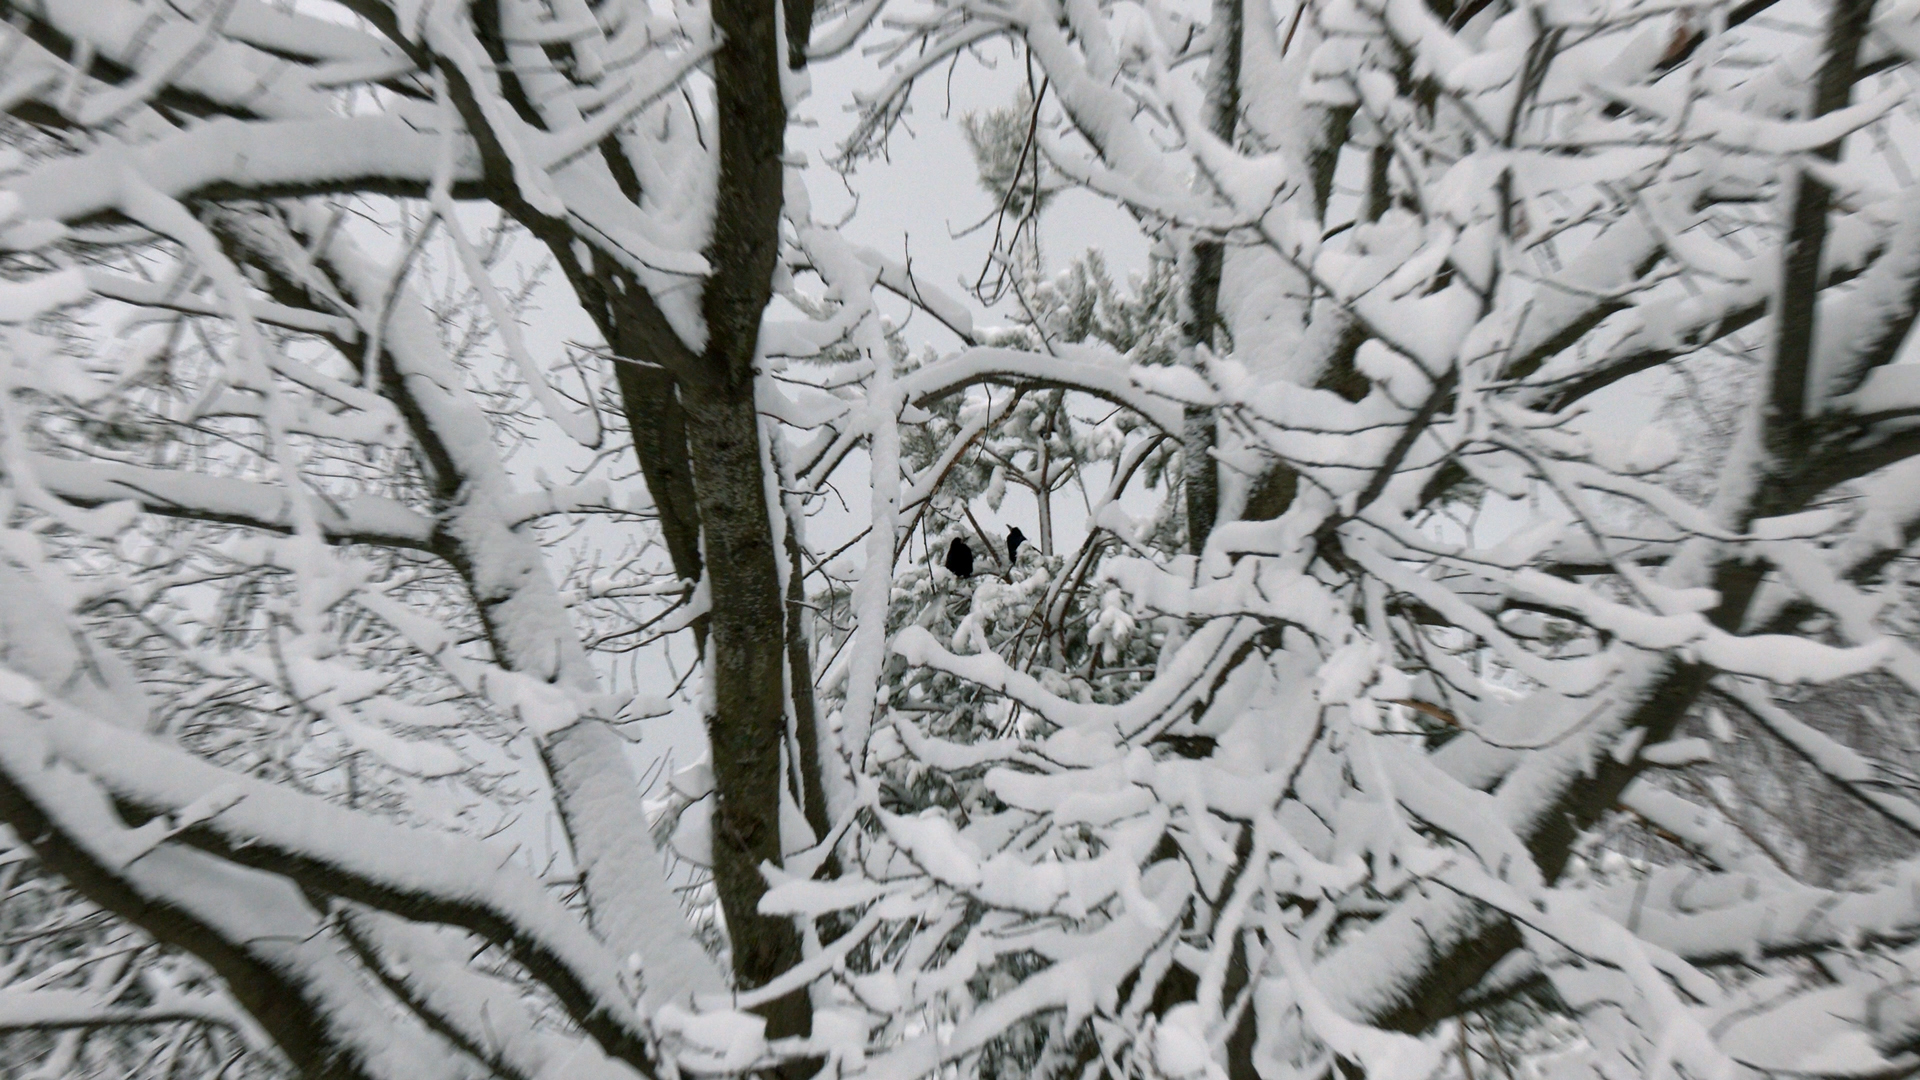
1469 628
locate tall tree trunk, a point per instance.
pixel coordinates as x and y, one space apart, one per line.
747 650
746 627
1201 307
697 437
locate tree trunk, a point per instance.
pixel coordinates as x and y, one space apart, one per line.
1202 298
747 652
746 626
696 435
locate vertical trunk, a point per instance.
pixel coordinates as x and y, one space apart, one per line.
1200 472
1379 183
1807 235
747 651
1202 300
1201 317
746 628
697 437
708 481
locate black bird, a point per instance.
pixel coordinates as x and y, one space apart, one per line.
1014 539
960 558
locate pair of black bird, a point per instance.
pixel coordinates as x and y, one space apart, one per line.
960 554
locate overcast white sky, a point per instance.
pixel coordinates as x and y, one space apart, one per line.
927 189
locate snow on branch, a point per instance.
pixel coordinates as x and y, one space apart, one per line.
246 158
1863 778
1339 779
293 974
418 874
1084 368
367 519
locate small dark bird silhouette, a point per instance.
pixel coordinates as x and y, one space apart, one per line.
960 558
1014 539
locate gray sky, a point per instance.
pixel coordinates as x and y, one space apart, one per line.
927 189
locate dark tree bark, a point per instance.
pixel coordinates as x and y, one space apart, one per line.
659 425
748 652
806 732
1201 309
1807 232
708 477
748 620
697 437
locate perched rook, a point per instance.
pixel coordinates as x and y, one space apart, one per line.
960 558
1014 539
